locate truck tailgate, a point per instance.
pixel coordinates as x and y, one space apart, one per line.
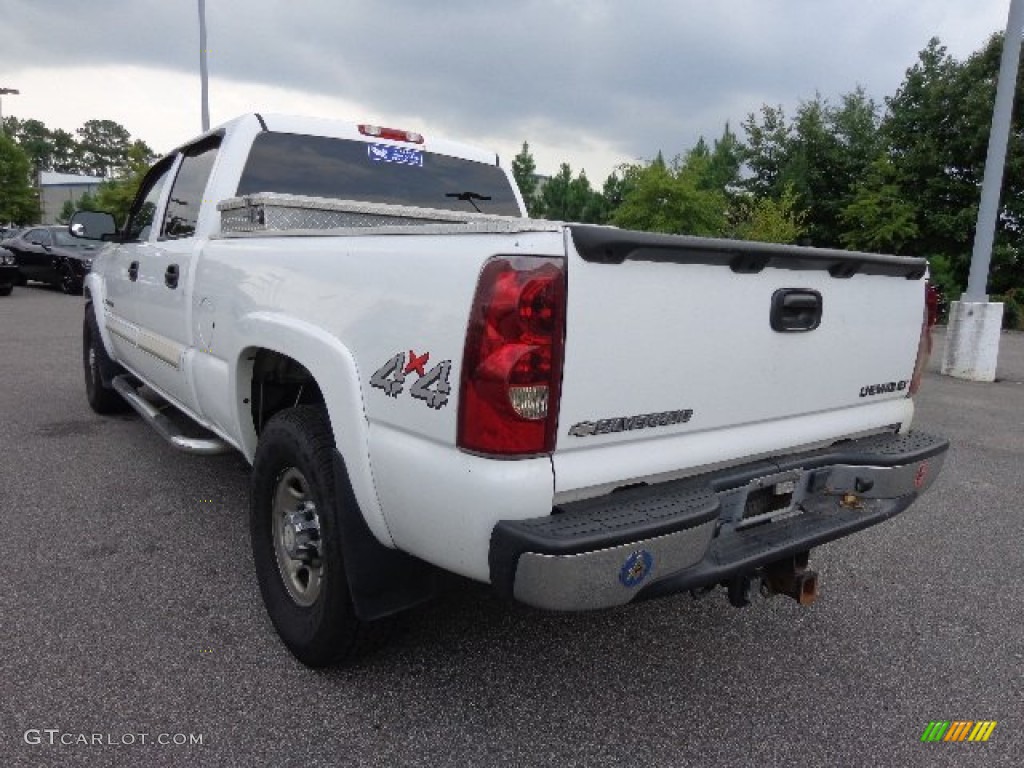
683 352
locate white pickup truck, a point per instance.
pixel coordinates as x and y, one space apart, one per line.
423 378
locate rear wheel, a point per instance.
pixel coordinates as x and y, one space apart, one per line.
6 288
296 540
102 399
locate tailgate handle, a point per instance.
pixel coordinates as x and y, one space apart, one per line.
133 271
795 310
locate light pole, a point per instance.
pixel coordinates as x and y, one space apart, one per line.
204 86
972 338
996 160
5 92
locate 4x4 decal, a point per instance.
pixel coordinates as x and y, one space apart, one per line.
431 386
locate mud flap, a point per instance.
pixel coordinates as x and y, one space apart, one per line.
382 581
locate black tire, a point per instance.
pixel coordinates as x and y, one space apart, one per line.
293 464
68 282
6 288
102 399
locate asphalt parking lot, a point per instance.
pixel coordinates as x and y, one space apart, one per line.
129 611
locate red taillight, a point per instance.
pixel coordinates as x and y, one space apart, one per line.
924 344
512 365
394 134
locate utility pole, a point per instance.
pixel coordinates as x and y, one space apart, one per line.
995 162
972 339
5 92
203 77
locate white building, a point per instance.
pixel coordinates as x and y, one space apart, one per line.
58 188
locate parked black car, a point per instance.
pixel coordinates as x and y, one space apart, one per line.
51 255
8 272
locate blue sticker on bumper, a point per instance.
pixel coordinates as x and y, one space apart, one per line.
636 568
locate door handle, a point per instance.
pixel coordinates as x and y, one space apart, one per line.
133 271
171 276
795 310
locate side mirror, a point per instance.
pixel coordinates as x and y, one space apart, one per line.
92 225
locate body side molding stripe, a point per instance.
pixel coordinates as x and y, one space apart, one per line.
163 349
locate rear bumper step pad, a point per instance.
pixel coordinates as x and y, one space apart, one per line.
649 541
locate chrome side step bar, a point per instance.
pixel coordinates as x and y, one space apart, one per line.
201 446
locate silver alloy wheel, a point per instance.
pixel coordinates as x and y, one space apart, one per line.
296 529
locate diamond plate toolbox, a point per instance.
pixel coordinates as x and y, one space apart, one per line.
268 211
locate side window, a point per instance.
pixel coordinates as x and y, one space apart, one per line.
189 186
45 238
34 236
140 218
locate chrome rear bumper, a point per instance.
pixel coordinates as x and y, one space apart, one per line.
656 540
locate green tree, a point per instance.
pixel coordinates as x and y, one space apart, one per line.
856 123
65 152
592 206
615 189
104 147
923 129
18 202
86 202
553 198
672 199
100 149
11 124
936 128
821 154
565 197
766 151
724 162
524 169
66 212
34 137
813 170
769 220
115 196
880 216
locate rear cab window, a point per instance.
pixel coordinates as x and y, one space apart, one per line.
343 169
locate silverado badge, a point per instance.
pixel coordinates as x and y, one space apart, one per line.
629 423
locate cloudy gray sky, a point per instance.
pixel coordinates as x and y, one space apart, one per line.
592 82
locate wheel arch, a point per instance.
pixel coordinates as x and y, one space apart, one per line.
275 342
92 292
